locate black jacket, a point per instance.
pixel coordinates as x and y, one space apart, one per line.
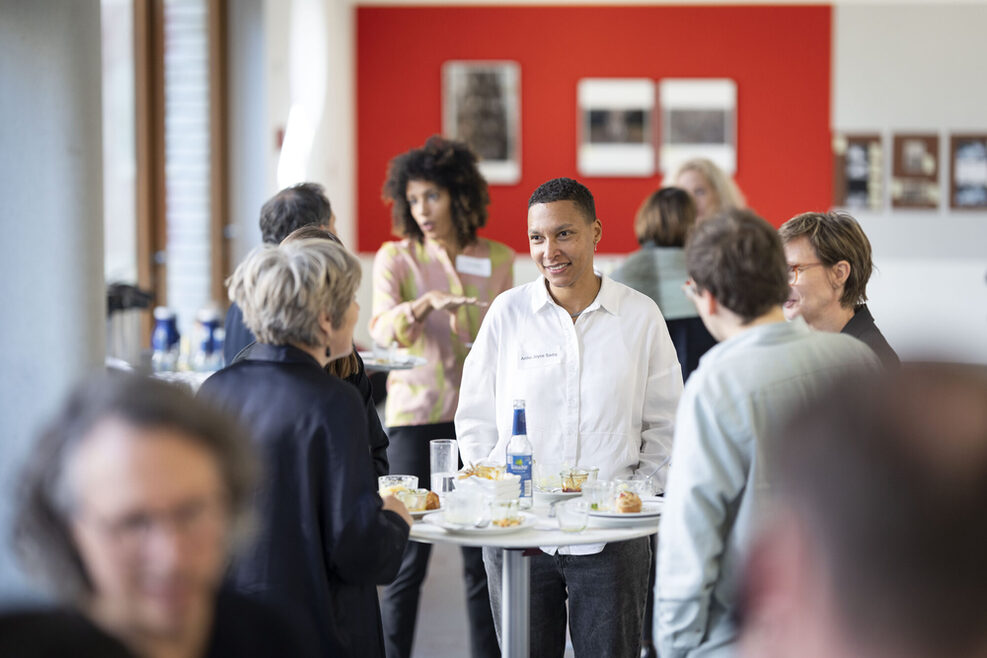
236 346
862 327
322 542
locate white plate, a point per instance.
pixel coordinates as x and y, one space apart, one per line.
648 510
527 521
549 497
420 514
401 362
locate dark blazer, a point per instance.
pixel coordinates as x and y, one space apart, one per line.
238 337
862 327
323 542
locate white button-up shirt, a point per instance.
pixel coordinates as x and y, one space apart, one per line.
598 392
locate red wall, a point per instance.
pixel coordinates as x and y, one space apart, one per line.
779 57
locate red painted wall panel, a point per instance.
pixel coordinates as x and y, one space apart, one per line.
779 57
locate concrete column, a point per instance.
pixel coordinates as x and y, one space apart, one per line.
52 293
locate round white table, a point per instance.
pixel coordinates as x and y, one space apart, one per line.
514 611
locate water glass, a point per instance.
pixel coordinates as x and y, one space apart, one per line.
642 485
464 507
505 513
598 494
545 474
573 479
444 462
572 515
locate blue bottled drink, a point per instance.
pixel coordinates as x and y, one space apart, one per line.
519 454
164 340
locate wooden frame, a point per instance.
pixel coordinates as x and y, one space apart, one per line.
915 171
858 171
218 166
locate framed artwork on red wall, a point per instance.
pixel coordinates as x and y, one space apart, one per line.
616 137
698 120
858 172
968 173
481 105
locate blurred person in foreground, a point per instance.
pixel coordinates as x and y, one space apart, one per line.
829 265
130 505
306 205
431 292
594 364
710 187
325 539
876 544
762 367
662 224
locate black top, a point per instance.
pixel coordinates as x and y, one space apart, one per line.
323 542
239 338
251 629
54 633
862 327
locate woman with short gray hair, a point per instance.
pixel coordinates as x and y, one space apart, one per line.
325 539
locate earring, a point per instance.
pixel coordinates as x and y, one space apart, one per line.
328 353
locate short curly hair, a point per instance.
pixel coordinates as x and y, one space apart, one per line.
738 257
836 236
283 289
449 164
566 189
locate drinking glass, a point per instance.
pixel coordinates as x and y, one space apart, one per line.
642 485
388 485
444 461
573 479
465 506
572 515
598 495
505 513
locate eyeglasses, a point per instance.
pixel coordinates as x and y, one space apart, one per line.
194 519
795 270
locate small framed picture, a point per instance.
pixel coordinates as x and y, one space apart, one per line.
968 174
616 137
481 105
698 120
915 171
858 172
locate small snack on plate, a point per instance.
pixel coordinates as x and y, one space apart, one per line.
628 502
507 522
432 500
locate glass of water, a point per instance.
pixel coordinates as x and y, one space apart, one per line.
572 515
443 464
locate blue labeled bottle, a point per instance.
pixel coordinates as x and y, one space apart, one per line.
519 454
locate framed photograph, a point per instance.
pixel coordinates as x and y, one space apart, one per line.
698 119
858 172
616 137
481 105
968 174
915 171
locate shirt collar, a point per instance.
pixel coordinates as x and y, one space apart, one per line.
280 353
608 298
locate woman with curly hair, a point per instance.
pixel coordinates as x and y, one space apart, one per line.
431 291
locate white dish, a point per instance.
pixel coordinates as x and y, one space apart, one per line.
549 497
648 511
527 521
400 362
422 512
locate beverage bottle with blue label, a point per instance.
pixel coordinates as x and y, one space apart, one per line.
519 454
164 340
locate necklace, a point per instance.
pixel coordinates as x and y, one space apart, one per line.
576 314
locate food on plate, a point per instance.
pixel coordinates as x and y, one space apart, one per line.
416 500
573 479
431 500
628 502
485 471
507 522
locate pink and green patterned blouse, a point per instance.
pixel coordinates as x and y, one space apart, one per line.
403 272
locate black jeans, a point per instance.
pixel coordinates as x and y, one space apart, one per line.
606 594
408 455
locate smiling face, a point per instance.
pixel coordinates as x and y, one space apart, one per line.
814 297
152 527
693 182
431 207
562 240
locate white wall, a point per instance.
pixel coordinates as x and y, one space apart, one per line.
919 67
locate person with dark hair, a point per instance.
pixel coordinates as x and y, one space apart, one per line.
594 364
305 206
325 538
876 542
832 297
658 270
733 402
127 511
431 292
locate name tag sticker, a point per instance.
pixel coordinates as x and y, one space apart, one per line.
539 358
473 265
